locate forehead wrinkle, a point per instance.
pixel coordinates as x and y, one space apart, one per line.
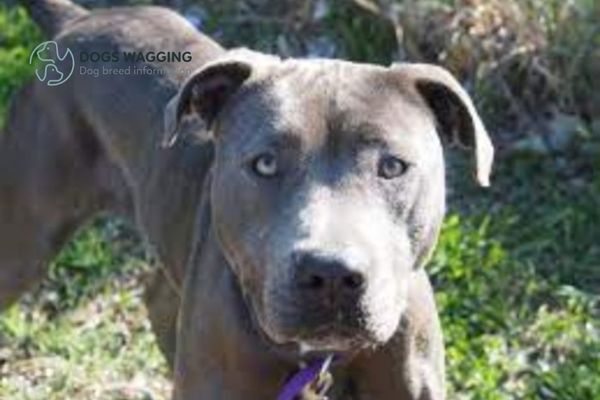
326 103
399 121
301 99
410 131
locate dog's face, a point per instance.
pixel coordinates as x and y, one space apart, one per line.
328 189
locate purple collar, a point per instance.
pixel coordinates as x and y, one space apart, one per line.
307 375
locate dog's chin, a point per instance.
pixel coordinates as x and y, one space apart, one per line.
332 345
331 338
315 334
326 340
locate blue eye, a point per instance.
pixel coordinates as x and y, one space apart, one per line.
391 167
265 165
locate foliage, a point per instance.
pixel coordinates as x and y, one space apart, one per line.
84 333
17 38
516 271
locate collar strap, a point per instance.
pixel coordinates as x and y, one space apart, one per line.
314 372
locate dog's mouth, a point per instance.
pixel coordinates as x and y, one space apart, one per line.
332 344
317 338
307 328
308 353
300 325
308 338
340 348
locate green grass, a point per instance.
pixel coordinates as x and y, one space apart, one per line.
517 280
516 271
84 333
17 38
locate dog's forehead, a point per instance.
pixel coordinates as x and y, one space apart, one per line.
326 86
313 100
326 97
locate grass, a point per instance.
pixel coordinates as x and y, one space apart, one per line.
17 36
516 271
517 282
85 334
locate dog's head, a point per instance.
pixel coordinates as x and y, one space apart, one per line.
328 186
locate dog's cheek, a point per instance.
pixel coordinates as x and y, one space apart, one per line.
386 240
233 222
426 217
384 315
278 300
387 297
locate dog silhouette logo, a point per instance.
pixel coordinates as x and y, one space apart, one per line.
55 67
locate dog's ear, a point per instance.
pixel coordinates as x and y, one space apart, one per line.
204 94
457 119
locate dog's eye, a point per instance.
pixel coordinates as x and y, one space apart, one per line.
391 167
265 165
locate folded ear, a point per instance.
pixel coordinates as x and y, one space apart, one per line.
457 119
204 94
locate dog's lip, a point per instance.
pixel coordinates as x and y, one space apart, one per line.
340 344
341 354
289 348
317 354
306 349
328 342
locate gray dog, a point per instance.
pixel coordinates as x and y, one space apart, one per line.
293 210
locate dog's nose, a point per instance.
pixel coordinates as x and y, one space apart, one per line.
326 277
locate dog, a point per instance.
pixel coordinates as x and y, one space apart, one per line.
292 203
